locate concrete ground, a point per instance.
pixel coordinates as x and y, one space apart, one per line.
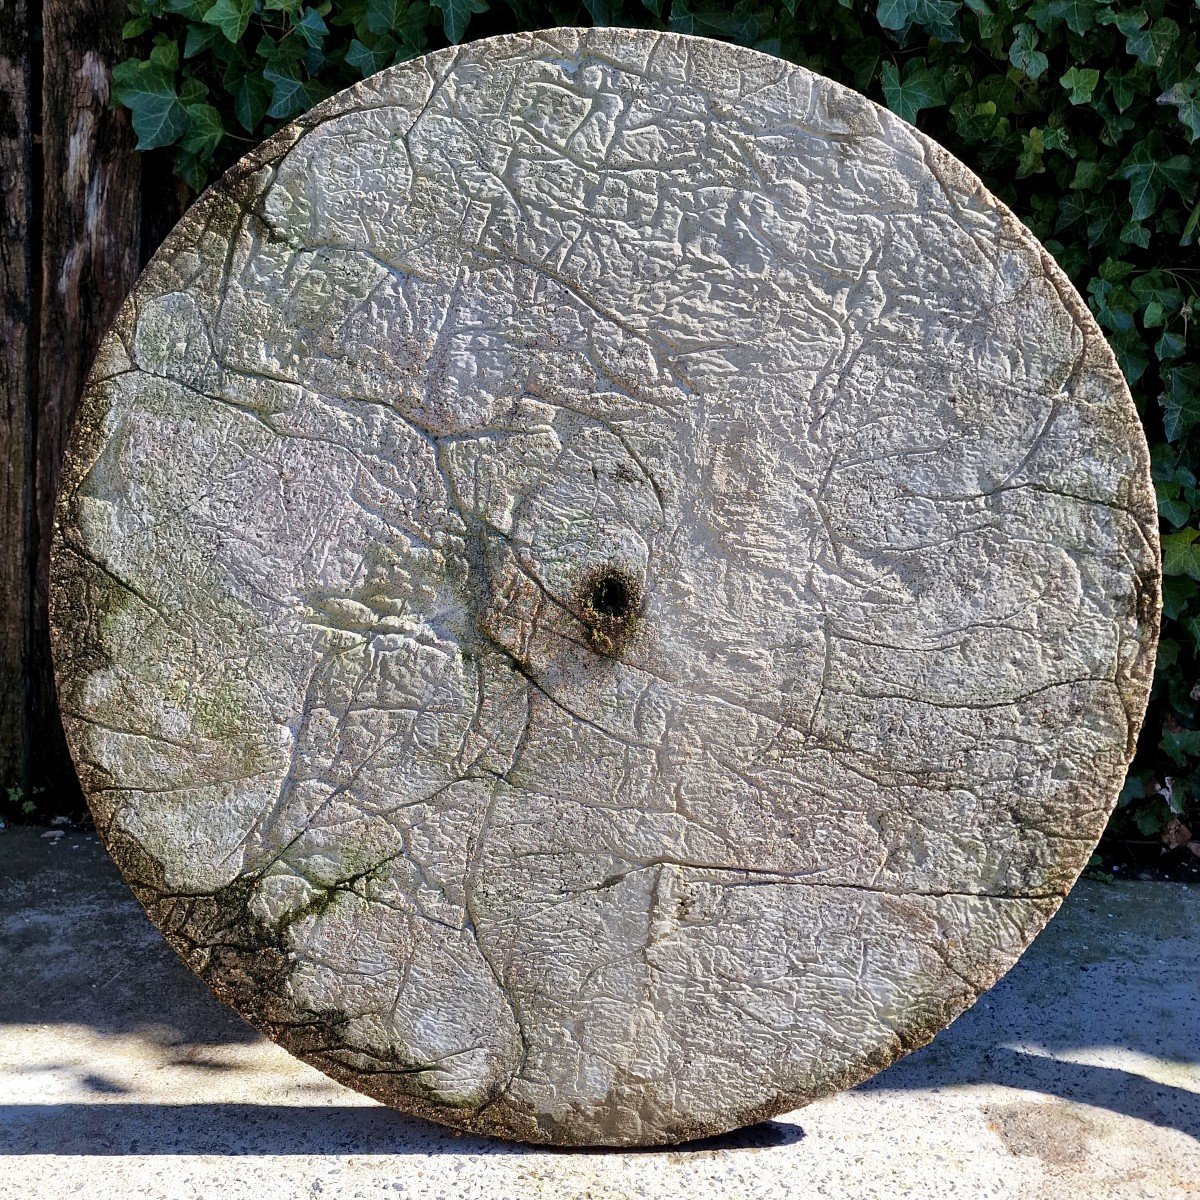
1076 1078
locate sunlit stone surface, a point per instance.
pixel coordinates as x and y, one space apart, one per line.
605 588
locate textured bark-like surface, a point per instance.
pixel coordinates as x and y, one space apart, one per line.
605 587
89 250
17 367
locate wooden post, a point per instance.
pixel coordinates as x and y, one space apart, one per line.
89 262
82 209
17 393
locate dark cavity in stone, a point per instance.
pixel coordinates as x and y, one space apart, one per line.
608 601
611 598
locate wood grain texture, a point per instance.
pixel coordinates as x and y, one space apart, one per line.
90 259
18 274
605 587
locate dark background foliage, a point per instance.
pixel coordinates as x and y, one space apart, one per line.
1082 115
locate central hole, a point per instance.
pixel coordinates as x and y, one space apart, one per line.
610 597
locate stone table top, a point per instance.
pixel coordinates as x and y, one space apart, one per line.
605 588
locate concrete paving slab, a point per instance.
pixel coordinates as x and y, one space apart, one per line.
1076 1078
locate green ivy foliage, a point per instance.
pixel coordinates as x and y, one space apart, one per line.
1082 115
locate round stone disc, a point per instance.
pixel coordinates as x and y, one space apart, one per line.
605 588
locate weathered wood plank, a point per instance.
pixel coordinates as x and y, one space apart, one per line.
17 382
89 262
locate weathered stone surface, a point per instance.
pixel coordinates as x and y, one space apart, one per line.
605 587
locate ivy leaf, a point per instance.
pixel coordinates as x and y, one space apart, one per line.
165 54
287 91
737 23
383 16
974 123
1079 15
1071 210
1116 270
1135 234
920 88
1168 468
1102 216
290 94
369 59
1024 54
456 14
231 17
1127 22
1134 789
147 89
1158 289
1193 222
1178 592
1033 146
1148 177
1181 744
1186 99
1173 509
1089 176
204 132
1181 554
939 18
1124 87
1112 305
1149 46
985 17
135 28
1170 345
1150 818
1080 83
189 168
191 91
1132 356
251 96
311 27
861 61
1181 402
199 39
895 14
1054 136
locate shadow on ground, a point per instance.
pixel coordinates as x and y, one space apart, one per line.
240 1129
1116 975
